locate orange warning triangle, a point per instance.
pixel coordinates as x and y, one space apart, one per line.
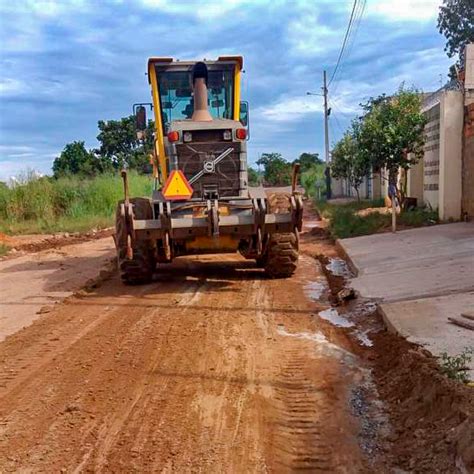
177 186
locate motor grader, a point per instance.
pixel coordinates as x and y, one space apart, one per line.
202 201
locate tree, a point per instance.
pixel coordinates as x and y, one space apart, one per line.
456 23
313 180
119 143
308 160
253 176
349 161
391 134
277 171
75 159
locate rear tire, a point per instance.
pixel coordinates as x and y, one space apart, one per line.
281 255
139 269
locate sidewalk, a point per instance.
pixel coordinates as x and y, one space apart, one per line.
420 278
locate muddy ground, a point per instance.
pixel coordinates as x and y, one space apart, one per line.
214 368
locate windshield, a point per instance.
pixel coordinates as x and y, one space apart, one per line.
177 100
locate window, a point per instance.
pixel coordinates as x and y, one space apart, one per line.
176 96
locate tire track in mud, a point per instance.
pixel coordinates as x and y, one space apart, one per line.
109 334
299 438
146 393
137 434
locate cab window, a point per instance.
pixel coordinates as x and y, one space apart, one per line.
176 97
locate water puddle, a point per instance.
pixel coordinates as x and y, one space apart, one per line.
363 337
335 318
315 336
323 347
338 267
316 289
346 320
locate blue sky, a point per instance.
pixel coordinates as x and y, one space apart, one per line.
67 64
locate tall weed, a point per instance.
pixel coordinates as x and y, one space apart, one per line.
69 203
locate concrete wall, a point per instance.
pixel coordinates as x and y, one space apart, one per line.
450 155
468 164
336 187
341 188
415 182
468 152
430 163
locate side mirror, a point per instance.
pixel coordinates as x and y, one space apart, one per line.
244 113
140 118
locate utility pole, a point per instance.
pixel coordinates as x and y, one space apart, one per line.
326 137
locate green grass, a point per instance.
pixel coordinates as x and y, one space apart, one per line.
456 367
344 221
65 205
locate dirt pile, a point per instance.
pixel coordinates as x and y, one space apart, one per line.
37 243
6 239
433 416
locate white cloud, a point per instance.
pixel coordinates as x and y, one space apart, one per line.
45 8
404 10
289 109
10 86
205 10
309 37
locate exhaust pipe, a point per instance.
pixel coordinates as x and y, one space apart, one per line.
201 113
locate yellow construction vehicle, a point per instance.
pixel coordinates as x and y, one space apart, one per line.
202 202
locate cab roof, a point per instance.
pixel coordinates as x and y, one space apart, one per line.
163 60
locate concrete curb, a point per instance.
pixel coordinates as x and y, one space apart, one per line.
388 324
343 251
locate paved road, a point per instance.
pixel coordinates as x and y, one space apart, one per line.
429 261
422 277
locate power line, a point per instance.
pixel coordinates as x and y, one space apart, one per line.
349 26
343 56
338 125
357 20
334 116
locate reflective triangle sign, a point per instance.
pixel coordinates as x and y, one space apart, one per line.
177 186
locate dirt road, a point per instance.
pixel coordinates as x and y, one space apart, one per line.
211 368
32 282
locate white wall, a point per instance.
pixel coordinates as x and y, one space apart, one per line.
450 163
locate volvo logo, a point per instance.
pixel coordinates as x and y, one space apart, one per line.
209 166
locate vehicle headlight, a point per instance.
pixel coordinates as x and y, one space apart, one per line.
227 135
187 136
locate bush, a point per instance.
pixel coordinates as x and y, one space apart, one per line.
457 367
418 217
65 204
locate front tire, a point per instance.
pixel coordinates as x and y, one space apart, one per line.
281 255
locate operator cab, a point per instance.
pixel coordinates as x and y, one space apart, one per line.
199 128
